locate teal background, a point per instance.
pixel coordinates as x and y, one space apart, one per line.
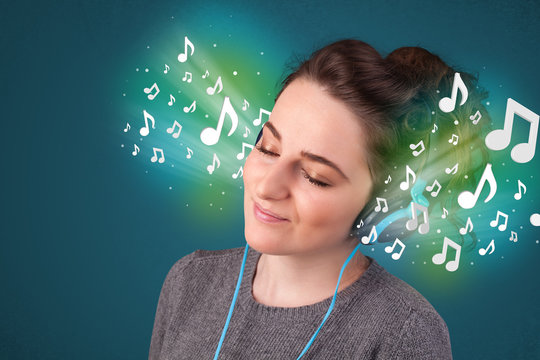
89 232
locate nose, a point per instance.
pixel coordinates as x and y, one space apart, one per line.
274 182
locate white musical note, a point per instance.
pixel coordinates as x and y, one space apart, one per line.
360 224
435 127
448 104
239 173
210 136
513 236
535 219
500 139
212 90
155 157
518 195
171 129
501 227
241 155
136 150
454 139
476 117
490 248
258 120
445 213
247 132
390 249
150 89
414 147
431 187
187 77
371 238
412 224
388 180
439 259
145 130
211 168
468 227
205 75
189 153
452 170
167 68
127 127
467 199
191 107
171 102
245 106
182 57
405 185
378 207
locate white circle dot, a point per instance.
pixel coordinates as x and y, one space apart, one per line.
235 73
412 262
122 145
472 263
223 193
215 45
170 187
417 246
438 232
488 103
262 52
466 176
187 204
146 70
124 94
211 204
258 73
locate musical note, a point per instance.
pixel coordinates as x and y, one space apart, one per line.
145 130
127 127
535 219
241 155
467 199
476 117
445 213
372 235
513 236
388 180
167 68
468 227
454 139
435 127
212 90
136 150
171 102
150 89
439 259
239 173
448 104
171 129
412 224
182 57
205 75
258 120
494 223
211 168
189 153
414 147
405 185
389 249
500 139
191 107
210 136
245 106
431 187
155 157
187 77
518 195
247 132
452 170
360 224
378 207
490 248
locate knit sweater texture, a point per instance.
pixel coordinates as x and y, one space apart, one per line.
377 317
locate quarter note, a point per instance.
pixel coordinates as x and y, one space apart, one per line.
414 147
258 120
239 173
127 127
454 139
490 248
171 129
452 170
211 168
448 104
189 153
182 57
433 186
212 90
241 155
148 91
468 227
247 132
155 157
406 184
500 139
136 150
467 199
389 249
187 77
210 136
518 195
378 207
412 224
495 222
191 107
513 236
440 258
371 238
245 106
476 117
145 130
171 102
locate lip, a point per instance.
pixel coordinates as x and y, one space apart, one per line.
266 216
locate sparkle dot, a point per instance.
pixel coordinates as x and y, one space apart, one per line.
262 52
502 257
223 193
466 176
449 191
433 113
433 243
210 184
438 232
372 249
456 122
258 73
146 70
215 45
412 262
488 103
137 69
521 227
172 165
124 94
235 73
472 263
513 210
507 180
170 187
206 115
424 263
537 241
417 246
220 209
146 171
211 204
148 46
479 215
438 91
187 204
122 145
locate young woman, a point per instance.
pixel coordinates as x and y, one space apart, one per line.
341 122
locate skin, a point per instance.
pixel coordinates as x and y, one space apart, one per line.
302 256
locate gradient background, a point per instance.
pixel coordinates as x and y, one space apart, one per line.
89 232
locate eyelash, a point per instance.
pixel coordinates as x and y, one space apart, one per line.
309 178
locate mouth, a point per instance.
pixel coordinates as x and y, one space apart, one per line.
267 216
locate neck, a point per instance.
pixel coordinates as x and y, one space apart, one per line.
305 279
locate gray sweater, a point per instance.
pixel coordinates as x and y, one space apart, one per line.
376 317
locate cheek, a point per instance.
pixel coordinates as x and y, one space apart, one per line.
328 212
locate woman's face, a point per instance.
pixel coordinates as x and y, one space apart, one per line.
309 170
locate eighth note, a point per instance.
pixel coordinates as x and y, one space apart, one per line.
518 195
412 224
150 89
239 173
454 139
167 68
212 90
445 213
211 168
136 150
245 106
433 186
241 155
468 227
490 248
171 102
247 132
513 236
189 153
145 130
414 147
389 249
494 223
127 127
467 199
378 207
405 185
155 157
476 117
371 238
171 129
182 57
210 136
258 120
440 258
452 170
191 107
388 180
448 104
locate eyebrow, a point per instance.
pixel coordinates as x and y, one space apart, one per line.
307 154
